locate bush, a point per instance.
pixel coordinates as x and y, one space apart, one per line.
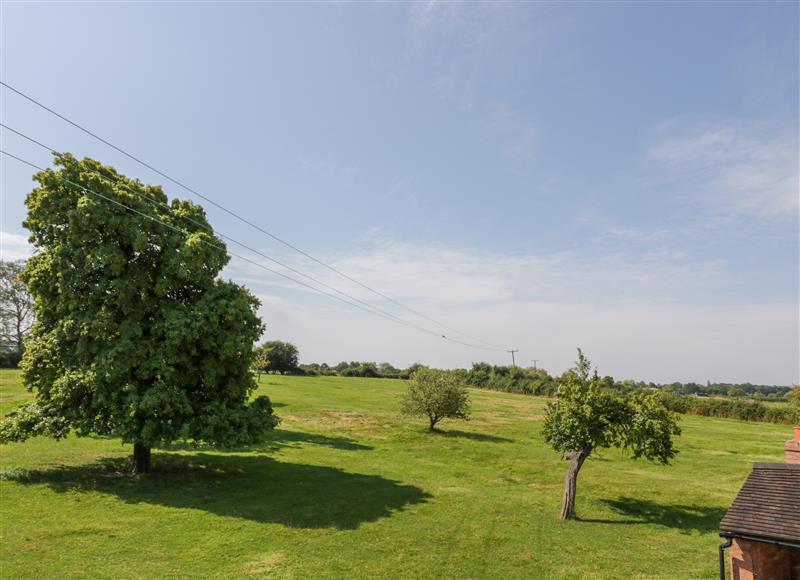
509 379
727 408
437 395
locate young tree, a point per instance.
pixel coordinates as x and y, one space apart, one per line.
135 337
281 357
16 310
794 404
437 395
585 417
260 364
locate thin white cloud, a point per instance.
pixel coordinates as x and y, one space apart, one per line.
634 314
644 316
739 171
14 247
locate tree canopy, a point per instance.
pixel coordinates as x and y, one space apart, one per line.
437 395
277 356
135 337
586 416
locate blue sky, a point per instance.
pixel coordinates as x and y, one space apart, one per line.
617 176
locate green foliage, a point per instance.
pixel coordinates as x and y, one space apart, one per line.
586 415
746 410
277 356
134 337
527 381
794 404
383 370
437 395
766 392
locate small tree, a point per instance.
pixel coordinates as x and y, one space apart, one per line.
16 311
437 395
135 336
260 364
585 417
281 357
794 404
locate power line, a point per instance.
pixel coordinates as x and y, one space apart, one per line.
244 220
255 251
391 318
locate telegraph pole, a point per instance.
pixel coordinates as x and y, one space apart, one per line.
513 362
534 363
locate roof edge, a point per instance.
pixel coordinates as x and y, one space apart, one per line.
789 466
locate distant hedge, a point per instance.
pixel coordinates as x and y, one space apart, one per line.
728 408
525 381
530 381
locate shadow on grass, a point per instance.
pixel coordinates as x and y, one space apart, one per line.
281 438
473 436
252 487
686 518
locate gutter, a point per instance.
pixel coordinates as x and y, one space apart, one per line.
729 541
722 548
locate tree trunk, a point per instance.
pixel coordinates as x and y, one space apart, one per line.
434 420
576 459
141 458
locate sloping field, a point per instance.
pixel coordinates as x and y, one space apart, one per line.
347 488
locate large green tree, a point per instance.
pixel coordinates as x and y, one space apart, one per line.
585 416
135 336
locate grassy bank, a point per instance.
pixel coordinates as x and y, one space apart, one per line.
345 487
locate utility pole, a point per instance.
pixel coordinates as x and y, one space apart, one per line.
513 362
534 363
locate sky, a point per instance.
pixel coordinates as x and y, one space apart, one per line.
620 177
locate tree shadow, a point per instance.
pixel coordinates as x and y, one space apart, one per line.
473 436
281 438
686 518
253 487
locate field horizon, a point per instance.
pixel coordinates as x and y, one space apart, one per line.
347 487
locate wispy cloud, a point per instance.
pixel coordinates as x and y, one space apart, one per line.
14 246
636 314
739 171
633 313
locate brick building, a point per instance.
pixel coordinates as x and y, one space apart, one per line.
762 526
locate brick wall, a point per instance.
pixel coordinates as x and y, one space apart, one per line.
793 447
751 560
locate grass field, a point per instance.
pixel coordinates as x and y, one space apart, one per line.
347 488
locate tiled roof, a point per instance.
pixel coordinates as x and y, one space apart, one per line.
768 505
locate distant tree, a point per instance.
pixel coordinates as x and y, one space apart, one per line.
16 312
437 395
281 357
135 337
585 417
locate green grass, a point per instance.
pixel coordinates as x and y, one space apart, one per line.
347 488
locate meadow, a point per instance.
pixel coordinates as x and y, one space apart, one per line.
345 487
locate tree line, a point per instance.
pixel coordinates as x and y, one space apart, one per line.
733 401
